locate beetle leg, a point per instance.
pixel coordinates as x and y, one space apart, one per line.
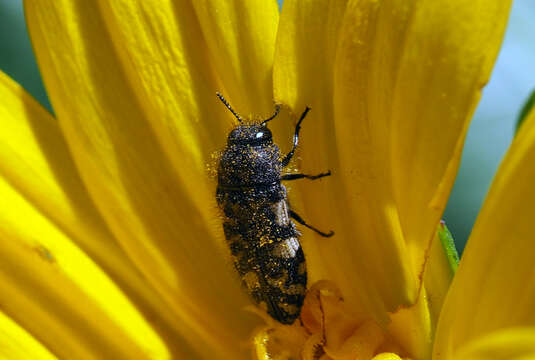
289 156
298 218
304 176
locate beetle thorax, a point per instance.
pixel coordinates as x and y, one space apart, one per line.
250 164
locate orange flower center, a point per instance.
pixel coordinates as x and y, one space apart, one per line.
327 329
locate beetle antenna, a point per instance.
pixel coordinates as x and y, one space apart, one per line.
277 109
224 101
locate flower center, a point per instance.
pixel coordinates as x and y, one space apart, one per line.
326 330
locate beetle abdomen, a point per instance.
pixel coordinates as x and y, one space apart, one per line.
266 250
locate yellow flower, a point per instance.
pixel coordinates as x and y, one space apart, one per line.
111 244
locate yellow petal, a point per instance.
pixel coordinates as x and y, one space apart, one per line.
177 55
391 85
449 52
17 343
303 76
240 36
35 160
57 293
414 327
142 144
494 286
507 344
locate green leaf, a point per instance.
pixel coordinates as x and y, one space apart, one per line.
525 110
449 246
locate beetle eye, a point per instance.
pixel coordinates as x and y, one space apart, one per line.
259 135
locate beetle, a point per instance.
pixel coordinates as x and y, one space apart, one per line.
257 218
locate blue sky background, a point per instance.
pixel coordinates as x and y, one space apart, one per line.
492 127
489 136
